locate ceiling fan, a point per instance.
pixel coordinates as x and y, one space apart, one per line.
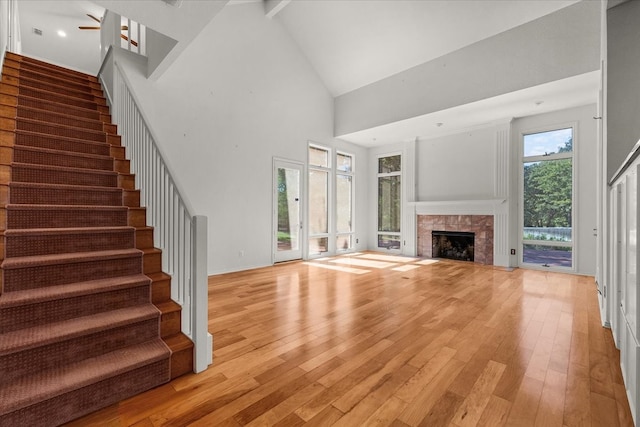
122 28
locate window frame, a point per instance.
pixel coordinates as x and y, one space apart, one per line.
351 174
379 175
573 156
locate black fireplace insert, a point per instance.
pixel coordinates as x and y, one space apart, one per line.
456 245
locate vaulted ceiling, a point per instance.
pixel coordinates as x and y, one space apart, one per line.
350 43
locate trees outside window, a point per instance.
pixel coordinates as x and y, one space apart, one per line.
547 198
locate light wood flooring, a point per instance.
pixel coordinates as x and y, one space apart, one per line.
369 339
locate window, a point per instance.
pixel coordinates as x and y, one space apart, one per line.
330 217
389 201
344 202
319 170
547 199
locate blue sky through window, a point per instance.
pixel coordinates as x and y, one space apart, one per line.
539 144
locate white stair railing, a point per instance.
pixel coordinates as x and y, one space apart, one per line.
178 232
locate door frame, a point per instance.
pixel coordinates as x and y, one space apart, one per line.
280 162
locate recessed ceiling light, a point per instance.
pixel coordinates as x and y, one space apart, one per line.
62 33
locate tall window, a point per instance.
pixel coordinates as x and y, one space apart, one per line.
319 170
389 201
547 198
344 201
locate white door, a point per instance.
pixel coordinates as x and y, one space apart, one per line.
287 210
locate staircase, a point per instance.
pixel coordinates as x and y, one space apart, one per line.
86 318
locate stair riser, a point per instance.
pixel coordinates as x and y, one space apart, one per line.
152 263
170 324
31 245
27 316
50 275
88 399
23 155
61 99
59 130
59 196
76 349
71 177
60 119
144 238
52 218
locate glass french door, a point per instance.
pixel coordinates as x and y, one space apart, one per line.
287 202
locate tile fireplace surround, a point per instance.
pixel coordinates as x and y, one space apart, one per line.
481 225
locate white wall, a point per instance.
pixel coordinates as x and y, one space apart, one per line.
239 95
623 88
457 167
563 44
585 163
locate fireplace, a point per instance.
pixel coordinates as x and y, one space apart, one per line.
480 225
456 245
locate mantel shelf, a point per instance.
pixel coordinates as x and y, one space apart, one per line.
494 202
460 207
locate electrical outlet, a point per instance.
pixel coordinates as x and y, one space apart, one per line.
357 241
513 251
241 254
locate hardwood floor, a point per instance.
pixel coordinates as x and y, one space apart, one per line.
369 339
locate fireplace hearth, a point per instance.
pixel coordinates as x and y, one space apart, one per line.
457 245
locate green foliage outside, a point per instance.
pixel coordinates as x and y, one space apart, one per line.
547 192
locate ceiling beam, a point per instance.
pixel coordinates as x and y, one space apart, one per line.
272 7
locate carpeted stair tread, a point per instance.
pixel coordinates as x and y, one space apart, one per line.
68 258
41 193
60 129
49 157
61 118
63 81
47 71
70 290
53 106
57 97
43 241
61 216
23 339
86 95
61 143
18 394
28 172
34 307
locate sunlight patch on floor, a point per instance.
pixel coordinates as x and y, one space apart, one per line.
363 262
405 267
338 268
388 258
427 261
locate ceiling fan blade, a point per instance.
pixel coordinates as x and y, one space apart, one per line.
93 17
124 28
133 42
89 28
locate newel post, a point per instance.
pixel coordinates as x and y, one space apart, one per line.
202 354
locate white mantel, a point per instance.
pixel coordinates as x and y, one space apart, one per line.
459 207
